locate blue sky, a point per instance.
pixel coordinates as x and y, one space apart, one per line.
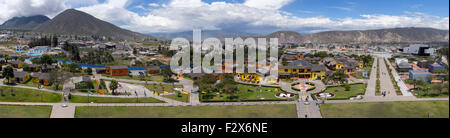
252 16
341 8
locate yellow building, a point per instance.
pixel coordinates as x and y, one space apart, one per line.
345 65
303 70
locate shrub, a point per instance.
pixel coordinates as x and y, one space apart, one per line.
347 87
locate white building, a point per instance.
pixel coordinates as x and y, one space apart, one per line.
400 60
38 50
419 49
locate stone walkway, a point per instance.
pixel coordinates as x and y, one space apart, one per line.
58 111
371 84
403 88
385 80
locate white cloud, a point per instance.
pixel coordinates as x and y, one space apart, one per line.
267 4
12 8
185 15
50 8
153 5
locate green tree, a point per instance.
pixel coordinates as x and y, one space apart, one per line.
58 78
26 67
166 72
113 86
74 68
47 60
417 82
347 87
339 77
8 73
7 58
438 88
206 82
89 70
22 58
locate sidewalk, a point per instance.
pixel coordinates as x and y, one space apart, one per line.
403 88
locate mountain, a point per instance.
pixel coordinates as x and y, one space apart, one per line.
72 21
24 23
219 34
410 34
287 37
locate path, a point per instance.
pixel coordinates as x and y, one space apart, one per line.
371 84
137 81
385 80
403 88
188 85
58 111
388 99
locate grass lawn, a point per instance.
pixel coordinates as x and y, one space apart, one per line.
85 99
183 98
359 75
163 87
28 95
157 78
34 84
243 95
95 90
340 93
436 109
7 111
244 111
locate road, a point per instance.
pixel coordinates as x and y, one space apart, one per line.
405 91
385 80
371 84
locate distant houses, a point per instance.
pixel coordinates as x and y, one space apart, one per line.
154 70
404 67
41 78
435 67
38 50
119 70
21 77
420 75
16 63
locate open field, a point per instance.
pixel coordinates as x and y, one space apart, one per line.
28 95
85 99
435 109
7 111
183 98
31 83
247 111
163 87
340 93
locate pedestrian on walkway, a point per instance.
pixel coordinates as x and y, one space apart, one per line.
306 116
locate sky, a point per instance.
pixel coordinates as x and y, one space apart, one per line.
250 16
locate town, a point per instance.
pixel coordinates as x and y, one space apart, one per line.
121 59
66 72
